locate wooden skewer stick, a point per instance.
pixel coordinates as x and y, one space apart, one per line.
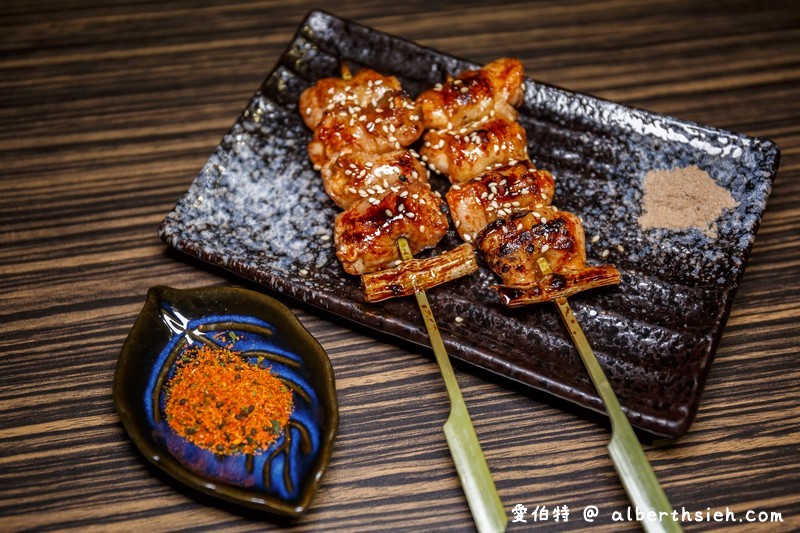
626 452
476 479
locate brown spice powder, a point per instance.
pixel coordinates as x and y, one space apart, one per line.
683 198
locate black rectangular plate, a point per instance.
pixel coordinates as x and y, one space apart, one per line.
258 209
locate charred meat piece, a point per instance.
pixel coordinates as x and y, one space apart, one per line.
364 89
391 125
512 247
498 193
419 274
464 153
367 232
496 87
353 176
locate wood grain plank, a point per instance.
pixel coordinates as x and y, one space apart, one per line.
109 109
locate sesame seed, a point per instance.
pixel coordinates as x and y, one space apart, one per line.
352 190
325 237
544 220
303 272
404 194
604 253
411 214
459 320
620 248
545 247
595 238
457 223
388 213
468 237
456 187
519 226
422 228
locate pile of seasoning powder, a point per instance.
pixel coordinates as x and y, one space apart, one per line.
221 403
684 198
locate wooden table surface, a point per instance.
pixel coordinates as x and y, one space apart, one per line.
109 109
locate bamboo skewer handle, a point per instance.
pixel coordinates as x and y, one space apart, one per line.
476 479
630 461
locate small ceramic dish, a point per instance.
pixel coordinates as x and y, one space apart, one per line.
283 478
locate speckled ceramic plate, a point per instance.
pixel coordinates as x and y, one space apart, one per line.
258 209
281 479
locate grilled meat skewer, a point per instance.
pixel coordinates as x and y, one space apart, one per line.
498 203
361 123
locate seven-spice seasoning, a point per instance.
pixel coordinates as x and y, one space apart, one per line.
220 402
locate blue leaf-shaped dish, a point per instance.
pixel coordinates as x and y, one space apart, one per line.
283 478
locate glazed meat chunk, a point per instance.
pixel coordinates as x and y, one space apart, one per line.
351 177
393 124
467 152
367 232
513 246
498 193
365 89
495 88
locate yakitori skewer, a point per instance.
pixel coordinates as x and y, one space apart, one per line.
500 202
361 125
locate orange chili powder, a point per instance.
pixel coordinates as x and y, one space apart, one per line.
221 403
